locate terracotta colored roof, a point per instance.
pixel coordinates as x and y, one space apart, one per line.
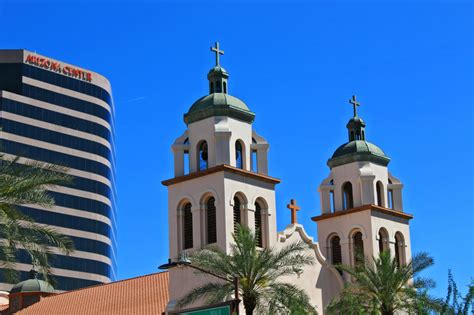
142 295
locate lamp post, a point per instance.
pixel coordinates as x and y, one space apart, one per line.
184 261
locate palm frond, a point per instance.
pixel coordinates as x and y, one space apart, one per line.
212 293
28 184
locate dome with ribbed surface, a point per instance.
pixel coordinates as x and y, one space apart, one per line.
32 285
358 150
219 104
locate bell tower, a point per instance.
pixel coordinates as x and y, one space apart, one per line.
361 202
220 178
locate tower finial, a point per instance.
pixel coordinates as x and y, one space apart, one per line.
218 52
354 103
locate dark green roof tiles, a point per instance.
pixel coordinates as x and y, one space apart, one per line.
219 104
32 285
358 150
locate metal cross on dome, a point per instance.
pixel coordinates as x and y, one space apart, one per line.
354 103
218 52
293 207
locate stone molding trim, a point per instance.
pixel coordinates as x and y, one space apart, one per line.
363 208
220 168
292 228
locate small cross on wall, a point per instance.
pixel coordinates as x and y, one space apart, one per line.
293 207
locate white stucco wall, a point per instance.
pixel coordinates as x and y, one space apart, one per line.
221 133
223 186
320 281
369 223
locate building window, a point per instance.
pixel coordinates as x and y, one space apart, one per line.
399 249
358 248
347 197
379 189
239 159
211 220
237 214
203 156
187 226
212 87
258 225
383 240
225 87
336 252
218 87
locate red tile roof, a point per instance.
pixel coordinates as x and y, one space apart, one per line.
142 295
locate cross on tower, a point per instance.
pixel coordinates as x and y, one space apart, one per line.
293 207
354 103
218 52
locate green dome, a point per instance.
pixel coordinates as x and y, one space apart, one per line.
32 285
358 150
219 104
218 70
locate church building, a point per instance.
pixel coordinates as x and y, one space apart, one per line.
222 179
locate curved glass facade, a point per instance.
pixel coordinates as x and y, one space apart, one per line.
60 117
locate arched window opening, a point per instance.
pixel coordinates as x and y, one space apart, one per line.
336 251
390 198
239 158
254 161
347 197
211 220
379 189
357 135
363 135
352 136
332 201
383 240
225 87
203 156
186 157
358 248
237 215
218 87
399 249
211 87
186 162
258 225
187 226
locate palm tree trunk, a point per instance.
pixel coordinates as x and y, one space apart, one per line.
250 304
386 310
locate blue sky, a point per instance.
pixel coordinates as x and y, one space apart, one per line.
295 64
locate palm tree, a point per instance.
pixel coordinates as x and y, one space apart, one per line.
27 184
259 272
385 287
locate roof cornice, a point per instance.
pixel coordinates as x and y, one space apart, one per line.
221 168
363 208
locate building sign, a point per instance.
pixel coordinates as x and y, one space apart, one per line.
226 308
55 66
223 310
